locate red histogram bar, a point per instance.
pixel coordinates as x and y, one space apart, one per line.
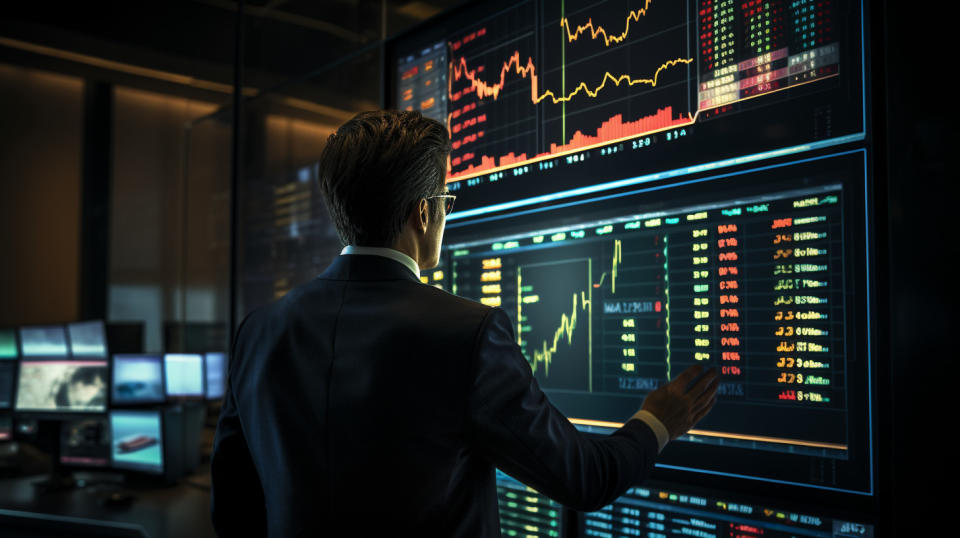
610 131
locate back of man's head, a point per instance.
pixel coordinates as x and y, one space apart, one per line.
375 170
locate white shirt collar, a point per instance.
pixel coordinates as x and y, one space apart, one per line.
395 255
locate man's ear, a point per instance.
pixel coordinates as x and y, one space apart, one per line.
420 219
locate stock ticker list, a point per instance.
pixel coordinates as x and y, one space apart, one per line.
607 311
658 512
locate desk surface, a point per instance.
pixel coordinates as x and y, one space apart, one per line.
179 510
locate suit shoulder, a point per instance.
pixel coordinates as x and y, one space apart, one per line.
449 300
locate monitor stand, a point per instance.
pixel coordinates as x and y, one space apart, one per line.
48 440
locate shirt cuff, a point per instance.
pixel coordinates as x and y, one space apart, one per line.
663 436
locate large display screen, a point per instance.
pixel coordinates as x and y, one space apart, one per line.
546 100
62 386
137 439
754 273
85 442
87 339
137 379
44 341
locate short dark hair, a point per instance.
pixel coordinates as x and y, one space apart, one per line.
375 170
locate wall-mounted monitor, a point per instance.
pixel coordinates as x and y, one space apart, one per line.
215 368
62 386
88 339
184 375
550 101
763 274
137 440
137 379
49 341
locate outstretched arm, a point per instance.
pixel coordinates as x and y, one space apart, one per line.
524 435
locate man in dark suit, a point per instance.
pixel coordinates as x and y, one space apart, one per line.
365 403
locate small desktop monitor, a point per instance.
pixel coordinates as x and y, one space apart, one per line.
62 386
6 427
137 440
85 442
184 375
47 341
8 373
87 339
8 344
137 379
215 367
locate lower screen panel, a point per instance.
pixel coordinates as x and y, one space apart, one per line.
524 512
662 511
761 274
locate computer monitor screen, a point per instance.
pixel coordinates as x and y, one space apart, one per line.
525 512
87 339
215 366
62 386
137 379
137 439
85 442
8 344
184 375
8 372
755 274
551 100
6 427
46 341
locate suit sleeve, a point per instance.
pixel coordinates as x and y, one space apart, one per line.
523 434
237 505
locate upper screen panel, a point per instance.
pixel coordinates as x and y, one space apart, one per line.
546 100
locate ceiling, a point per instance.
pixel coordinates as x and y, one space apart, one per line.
284 40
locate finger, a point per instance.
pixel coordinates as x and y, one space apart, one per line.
688 375
703 412
708 394
702 383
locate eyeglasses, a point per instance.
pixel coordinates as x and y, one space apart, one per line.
449 199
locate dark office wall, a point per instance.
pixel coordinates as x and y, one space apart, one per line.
41 135
151 199
918 295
